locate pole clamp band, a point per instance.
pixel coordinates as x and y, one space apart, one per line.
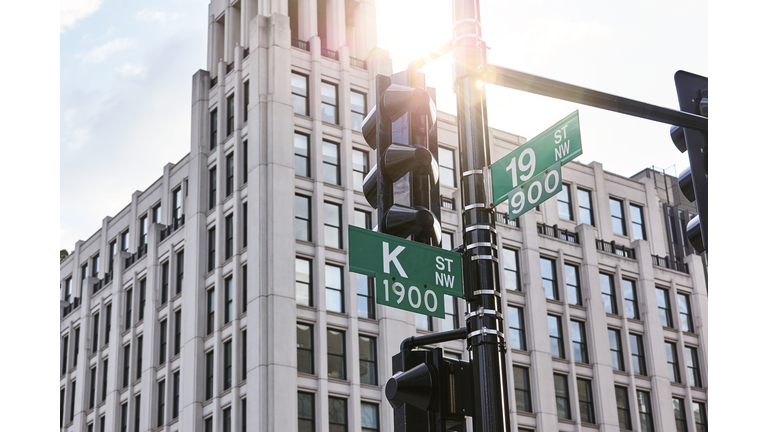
472 172
486 292
485 331
476 205
480 227
481 311
480 244
484 257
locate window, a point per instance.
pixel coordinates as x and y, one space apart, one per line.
143 228
177 203
230 165
564 203
112 254
369 417
108 324
68 290
329 95
62 397
622 405
245 159
548 278
617 216
163 341
423 322
164 281
555 336
617 356
336 356
301 154
446 241
447 177
305 348
139 355
331 172
686 318
572 284
95 261
142 297
95 339
692 361
246 99
211 249
84 272
244 281
609 293
511 274
208 424
177 332
366 297
700 416
125 240
136 412
585 206
227 381
359 168
126 365
209 375
579 336
211 302
303 282
105 369
337 414
586 402
516 328
672 363
646 414
334 289
226 420
211 188
562 398
124 417
76 347
522 389
636 216
179 271
306 411
368 373
451 320
362 219
630 299
665 311
243 413
245 224
357 103
244 360
303 218
228 299
214 128
230 114
678 406
92 389
176 393
160 403
332 225
638 354
128 307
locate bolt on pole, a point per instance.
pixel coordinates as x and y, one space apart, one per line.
485 326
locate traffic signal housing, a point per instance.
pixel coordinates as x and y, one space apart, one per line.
692 95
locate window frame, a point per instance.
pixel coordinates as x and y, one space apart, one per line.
673 364
327 103
639 356
230 114
163 349
620 218
587 405
209 372
361 115
302 160
611 295
512 272
308 283
564 199
337 240
625 409
211 264
214 121
665 312
645 410
558 338
311 400
523 389
229 298
226 379
581 331
555 295
310 350
304 220
636 224
368 298
212 187
684 310
328 165
617 350
564 397
520 331
692 365
571 287
372 367
588 208
358 174
342 372
450 316
678 407
295 95
210 319
229 167
338 290
630 304
445 168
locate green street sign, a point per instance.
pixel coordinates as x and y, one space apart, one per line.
410 276
535 191
560 143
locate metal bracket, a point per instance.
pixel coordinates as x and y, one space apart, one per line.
476 205
481 244
480 312
486 292
477 227
485 331
484 257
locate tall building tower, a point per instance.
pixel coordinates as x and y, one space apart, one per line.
220 298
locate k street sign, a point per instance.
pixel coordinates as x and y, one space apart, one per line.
410 276
559 144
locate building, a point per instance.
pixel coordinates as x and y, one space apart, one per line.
188 312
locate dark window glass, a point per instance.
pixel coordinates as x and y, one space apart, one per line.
211 188
522 389
334 289
243 414
579 335
142 297
564 203
68 290
617 216
369 417
366 297
125 240
447 177
678 407
359 168
176 395
622 405
686 318
128 307
245 224
95 338
228 300
329 95
124 417
303 218
230 165
179 271
102 421
230 114
665 310
572 284
227 381
76 347
609 293
306 412
672 362
214 128
511 273
630 299
226 420
516 328
62 398
692 361
636 215
177 332
368 373
555 336
161 403
126 365
139 355
638 354
548 278
585 206
646 414
332 221
303 282
105 369
562 397
177 203
246 99
586 402
208 424
305 348
617 355
245 160
336 355
209 375
244 360
700 416
164 281
357 105
301 154
108 323
112 254
92 388
211 249
143 229
451 320
163 341
210 323
331 171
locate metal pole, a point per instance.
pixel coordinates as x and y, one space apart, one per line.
485 326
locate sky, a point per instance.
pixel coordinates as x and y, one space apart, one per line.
126 73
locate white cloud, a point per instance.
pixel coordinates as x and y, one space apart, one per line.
132 70
98 54
76 139
74 10
149 15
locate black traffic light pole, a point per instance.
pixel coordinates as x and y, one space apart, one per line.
485 327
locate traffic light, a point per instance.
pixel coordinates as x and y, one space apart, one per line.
429 392
692 94
402 185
